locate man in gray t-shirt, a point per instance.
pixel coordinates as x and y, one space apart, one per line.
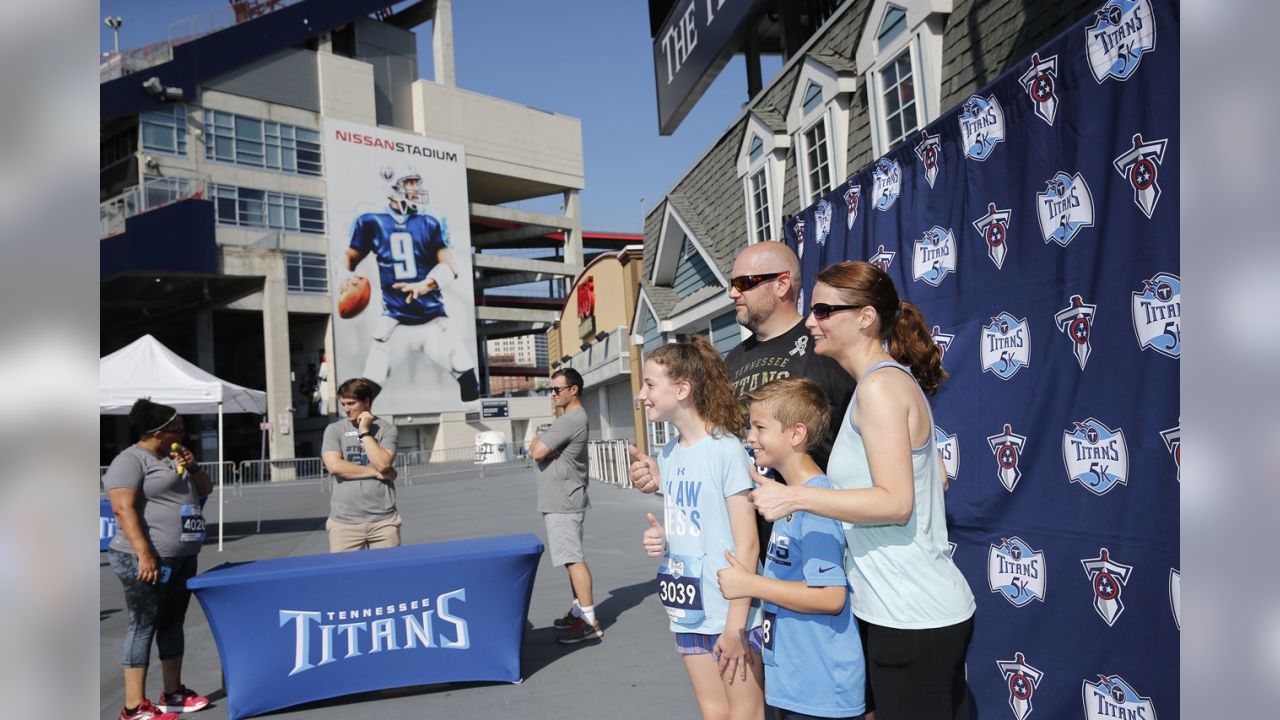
358 451
561 454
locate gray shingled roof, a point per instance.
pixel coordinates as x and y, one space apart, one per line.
771 117
695 298
839 63
663 299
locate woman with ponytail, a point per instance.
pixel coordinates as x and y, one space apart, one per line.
915 608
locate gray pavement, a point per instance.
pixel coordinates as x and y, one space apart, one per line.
633 673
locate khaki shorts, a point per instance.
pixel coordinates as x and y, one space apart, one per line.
564 537
344 537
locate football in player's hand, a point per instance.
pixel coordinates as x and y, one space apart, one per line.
353 296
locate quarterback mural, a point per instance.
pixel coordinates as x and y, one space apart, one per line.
405 315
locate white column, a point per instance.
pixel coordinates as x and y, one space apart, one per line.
275 341
442 43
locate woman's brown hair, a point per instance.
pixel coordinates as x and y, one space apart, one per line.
696 361
902 324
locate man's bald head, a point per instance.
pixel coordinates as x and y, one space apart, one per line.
766 258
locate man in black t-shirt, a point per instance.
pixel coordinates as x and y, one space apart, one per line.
765 283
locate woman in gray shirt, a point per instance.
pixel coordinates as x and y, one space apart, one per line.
155 488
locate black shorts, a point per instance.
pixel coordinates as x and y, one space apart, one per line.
917 674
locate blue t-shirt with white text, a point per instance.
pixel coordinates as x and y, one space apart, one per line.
813 662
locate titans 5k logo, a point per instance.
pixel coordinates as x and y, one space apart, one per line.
822 217
1113 697
886 183
1006 346
1065 208
994 229
1096 456
949 449
1076 322
1007 447
1041 81
1016 571
1023 679
1140 165
1123 32
934 256
1157 314
981 126
1108 578
930 153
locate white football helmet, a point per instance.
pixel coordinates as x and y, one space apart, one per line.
405 188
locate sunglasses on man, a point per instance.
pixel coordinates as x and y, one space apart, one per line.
822 311
743 283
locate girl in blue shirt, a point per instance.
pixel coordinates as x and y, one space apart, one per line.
707 516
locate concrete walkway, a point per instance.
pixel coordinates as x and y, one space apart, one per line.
633 673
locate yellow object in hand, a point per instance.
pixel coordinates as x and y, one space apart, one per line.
177 449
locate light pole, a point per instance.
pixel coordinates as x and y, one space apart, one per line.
642 216
114 23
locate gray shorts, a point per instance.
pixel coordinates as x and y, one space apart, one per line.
564 537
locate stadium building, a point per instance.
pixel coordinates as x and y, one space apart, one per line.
215 232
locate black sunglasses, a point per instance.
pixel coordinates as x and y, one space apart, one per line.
557 390
743 283
822 311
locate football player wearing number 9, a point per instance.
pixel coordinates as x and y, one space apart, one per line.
707 515
813 664
414 265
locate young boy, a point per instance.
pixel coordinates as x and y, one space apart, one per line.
813 660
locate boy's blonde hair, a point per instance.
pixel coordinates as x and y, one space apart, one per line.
794 400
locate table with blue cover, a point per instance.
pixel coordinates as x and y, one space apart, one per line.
295 630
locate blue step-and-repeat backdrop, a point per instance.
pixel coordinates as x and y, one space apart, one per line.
1036 225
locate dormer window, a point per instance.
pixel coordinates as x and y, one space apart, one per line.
819 120
900 59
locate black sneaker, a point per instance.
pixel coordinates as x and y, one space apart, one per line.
568 621
581 631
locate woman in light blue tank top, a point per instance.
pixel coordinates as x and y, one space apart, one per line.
915 607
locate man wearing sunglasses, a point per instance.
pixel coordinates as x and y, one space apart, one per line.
764 285
561 454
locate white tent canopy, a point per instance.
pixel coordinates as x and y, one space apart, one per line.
145 368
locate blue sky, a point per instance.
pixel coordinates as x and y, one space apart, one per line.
591 59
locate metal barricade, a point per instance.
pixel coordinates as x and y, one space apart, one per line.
607 462
252 472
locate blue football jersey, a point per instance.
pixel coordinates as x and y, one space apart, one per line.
405 248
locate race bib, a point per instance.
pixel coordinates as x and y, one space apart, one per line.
680 589
192 524
768 631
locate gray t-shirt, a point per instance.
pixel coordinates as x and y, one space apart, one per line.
562 480
167 505
360 501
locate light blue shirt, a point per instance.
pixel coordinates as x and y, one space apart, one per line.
901 575
696 480
813 663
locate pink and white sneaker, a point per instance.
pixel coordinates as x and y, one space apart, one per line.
185 700
146 711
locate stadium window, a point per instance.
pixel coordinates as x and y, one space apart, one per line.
306 272
247 207
256 143
900 55
165 130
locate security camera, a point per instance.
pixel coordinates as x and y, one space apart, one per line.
173 93
153 86
149 161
